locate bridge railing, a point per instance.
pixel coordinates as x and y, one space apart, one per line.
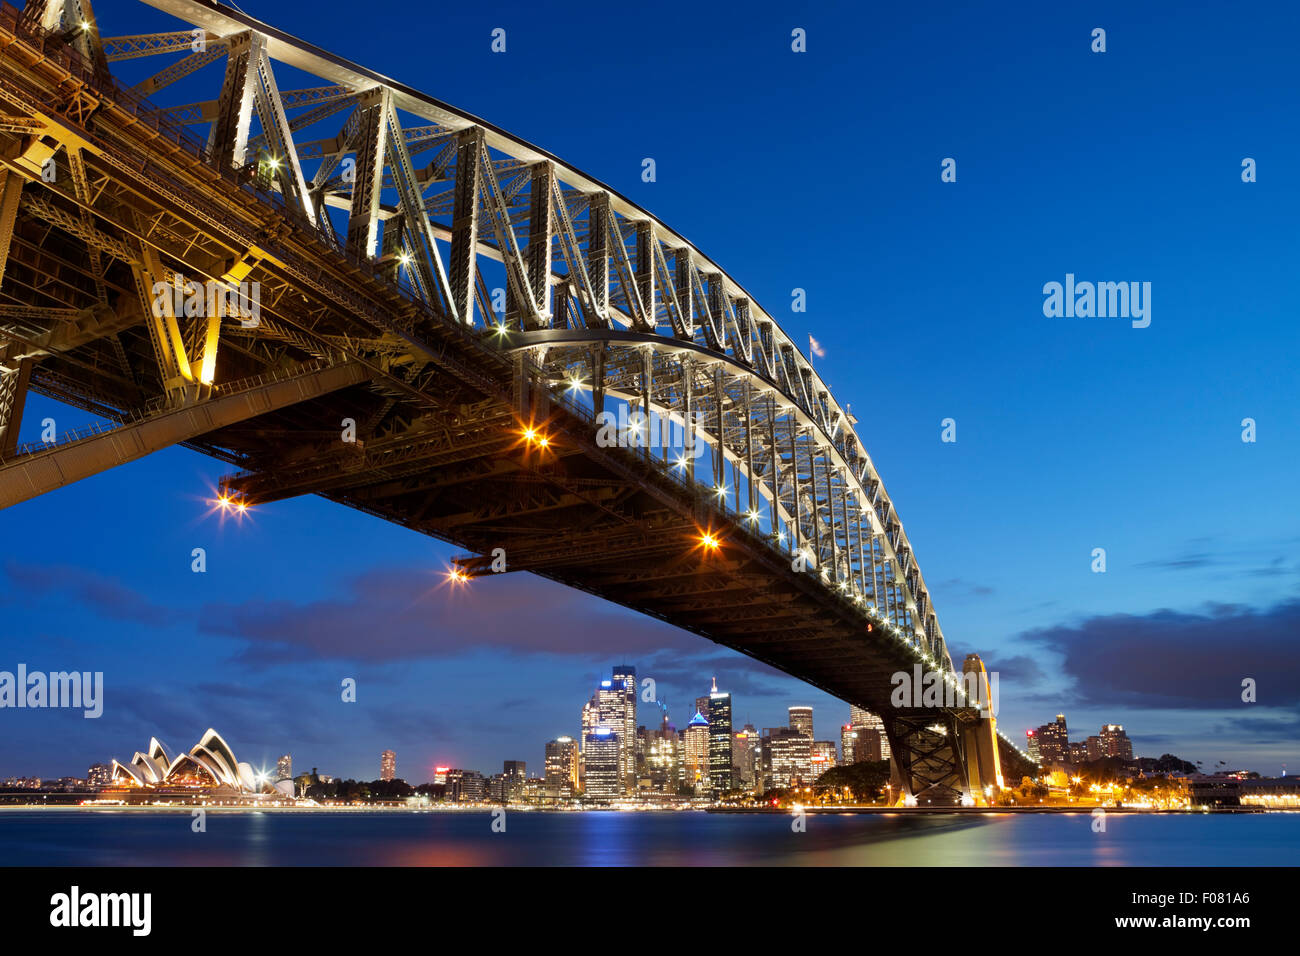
706 502
159 407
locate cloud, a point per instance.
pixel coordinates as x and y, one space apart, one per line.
1179 660
1283 728
400 614
1202 553
105 595
1020 668
959 590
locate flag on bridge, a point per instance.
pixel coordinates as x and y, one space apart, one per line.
816 347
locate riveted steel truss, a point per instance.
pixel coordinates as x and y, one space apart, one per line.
450 287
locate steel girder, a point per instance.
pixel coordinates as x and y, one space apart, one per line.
577 255
596 290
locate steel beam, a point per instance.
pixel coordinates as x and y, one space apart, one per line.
42 471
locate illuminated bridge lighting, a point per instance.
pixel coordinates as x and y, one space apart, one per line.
750 396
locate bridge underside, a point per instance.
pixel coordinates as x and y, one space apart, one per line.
361 382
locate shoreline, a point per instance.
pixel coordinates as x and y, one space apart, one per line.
770 811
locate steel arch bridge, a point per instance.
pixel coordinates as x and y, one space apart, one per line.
443 326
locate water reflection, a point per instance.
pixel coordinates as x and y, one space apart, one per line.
117 838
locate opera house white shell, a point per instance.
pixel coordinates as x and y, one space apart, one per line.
209 763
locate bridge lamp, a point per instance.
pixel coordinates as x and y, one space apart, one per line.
404 258
721 491
457 576
753 516
709 541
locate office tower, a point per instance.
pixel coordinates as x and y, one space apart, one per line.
801 719
822 758
747 759
440 776
860 719
1115 742
625 674
1031 746
696 749
719 740
99 775
562 768
662 760
513 776
1095 748
848 745
387 765
465 786
787 757
1078 751
609 709
601 760
1053 742
284 768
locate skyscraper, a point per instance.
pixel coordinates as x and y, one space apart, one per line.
1115 742
512 786
822 758
848 745
600 757
625 674
663 760
387 765
801 719
1095 748
746 758
696 750
876 742
562 768
1053 742
787 757
719 740
284 768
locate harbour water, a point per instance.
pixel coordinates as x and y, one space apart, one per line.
467 838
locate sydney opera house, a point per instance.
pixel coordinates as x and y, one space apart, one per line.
209 768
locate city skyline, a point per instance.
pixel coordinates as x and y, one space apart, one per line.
800 717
